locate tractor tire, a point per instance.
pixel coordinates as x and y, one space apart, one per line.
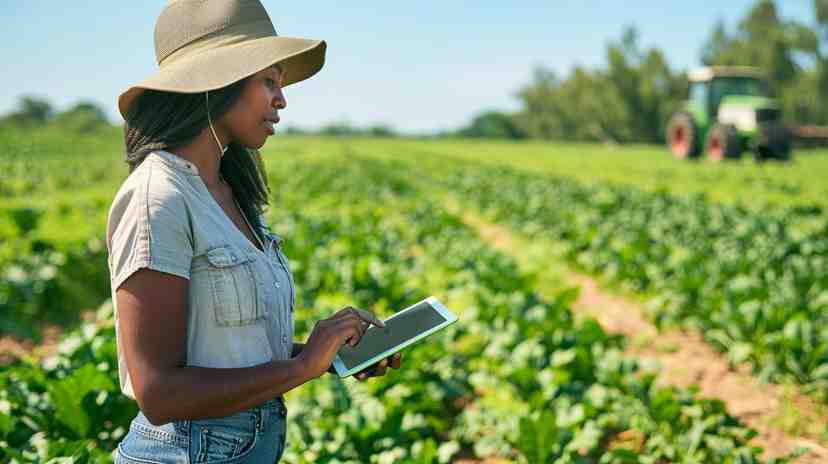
683 136
779 139
723 143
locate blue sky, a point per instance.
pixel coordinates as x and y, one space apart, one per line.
416 66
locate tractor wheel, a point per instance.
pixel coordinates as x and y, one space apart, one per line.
780 142
723 143
682 136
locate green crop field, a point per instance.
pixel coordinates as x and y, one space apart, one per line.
735 251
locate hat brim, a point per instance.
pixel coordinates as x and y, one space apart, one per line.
214 69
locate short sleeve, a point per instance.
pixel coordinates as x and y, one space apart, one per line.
148 227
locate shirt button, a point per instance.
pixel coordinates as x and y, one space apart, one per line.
284 338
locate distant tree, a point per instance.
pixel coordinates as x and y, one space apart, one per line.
32 111
629 101
337 129
821 7
380 130
787 51
645 84
84 118
293 130
492 124
543 115
761 40
346 129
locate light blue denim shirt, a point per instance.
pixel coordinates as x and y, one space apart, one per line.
240 309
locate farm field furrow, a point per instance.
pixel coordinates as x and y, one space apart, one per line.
366 222
525 381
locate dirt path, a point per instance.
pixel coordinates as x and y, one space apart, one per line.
11 347
683 359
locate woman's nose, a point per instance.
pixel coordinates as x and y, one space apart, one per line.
279 101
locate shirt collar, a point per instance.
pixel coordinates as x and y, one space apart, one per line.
176 162
181 164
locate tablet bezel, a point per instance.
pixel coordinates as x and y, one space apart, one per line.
450 318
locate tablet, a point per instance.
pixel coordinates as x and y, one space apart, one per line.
402 329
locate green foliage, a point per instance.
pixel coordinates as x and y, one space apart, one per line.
83 118
629 101
53 205
755 284
46 281
359 231
632 97
492 124
33 111
68 406
777 46
36 112
345 129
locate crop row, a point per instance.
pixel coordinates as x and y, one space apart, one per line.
516 377
754 284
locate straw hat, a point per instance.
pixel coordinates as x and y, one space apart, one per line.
204 45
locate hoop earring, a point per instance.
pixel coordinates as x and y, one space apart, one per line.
210 122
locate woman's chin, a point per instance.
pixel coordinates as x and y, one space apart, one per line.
255 144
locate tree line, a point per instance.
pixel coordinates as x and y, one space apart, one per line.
631 99
32 112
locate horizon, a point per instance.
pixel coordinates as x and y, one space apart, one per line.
491 49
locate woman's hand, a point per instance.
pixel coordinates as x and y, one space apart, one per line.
378 369
328 335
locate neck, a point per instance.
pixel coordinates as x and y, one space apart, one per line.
205 154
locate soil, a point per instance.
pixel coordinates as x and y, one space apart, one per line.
682 359
12 348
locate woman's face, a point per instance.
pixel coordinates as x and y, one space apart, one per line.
250 121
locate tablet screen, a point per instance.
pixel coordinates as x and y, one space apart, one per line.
398 329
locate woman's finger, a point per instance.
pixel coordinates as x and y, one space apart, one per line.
380 368
347 311
369 317
344 312
365 317
350 331
396 359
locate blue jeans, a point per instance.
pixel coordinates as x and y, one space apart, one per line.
256 435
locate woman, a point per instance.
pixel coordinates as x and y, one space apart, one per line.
202 290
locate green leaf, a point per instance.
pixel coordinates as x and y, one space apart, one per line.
68 394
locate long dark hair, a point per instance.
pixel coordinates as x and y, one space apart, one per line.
159 120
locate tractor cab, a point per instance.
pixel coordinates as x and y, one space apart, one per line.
708 94
728 111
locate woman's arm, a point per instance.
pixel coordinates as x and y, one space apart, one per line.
152 310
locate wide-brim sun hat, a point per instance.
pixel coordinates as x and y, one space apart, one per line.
203 45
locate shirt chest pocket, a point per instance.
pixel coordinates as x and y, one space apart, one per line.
236 295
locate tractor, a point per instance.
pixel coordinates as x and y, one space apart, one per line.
728 112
